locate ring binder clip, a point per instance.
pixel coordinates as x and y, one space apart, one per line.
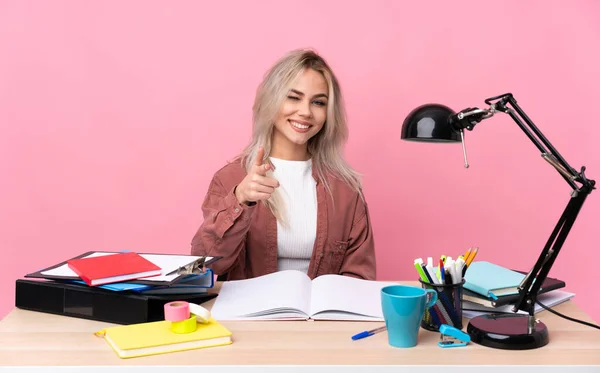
452 337
194 268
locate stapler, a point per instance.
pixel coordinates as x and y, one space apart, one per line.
452 337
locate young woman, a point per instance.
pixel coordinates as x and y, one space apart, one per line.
289 200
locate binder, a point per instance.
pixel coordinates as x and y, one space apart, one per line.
42 273
82 301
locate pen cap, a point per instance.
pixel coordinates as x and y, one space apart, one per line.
448 308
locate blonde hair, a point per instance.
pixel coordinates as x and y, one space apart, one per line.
325 147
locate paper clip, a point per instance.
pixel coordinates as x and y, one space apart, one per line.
452 337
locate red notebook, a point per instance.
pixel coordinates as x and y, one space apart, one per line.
106 269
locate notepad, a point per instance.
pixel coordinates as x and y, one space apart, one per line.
291 295
492 280
157 338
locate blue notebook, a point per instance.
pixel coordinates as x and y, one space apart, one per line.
491 280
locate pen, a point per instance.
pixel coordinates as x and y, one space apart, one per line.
442 272
448 277
367 333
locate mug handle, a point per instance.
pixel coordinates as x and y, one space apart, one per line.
432 299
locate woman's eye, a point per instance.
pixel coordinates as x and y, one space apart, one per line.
320 103
293 98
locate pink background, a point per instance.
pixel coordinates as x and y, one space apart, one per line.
115 115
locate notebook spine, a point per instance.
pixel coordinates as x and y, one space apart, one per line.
477 289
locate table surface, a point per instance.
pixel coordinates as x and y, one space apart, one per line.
66 341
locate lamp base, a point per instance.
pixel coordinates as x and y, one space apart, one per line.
507 331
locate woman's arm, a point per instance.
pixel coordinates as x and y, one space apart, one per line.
359 261
223 231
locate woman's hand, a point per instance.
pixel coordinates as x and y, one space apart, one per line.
256 186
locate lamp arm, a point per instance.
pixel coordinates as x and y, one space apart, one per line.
581 188
531 284
548 151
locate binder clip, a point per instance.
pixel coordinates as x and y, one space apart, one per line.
452 337
196 267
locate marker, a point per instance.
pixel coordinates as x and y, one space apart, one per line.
427 274
430 262
431 272
451 267
418 266
460 268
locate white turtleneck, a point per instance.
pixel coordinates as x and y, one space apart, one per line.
297 188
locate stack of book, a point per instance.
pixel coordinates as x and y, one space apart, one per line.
120 287
491 288
133 272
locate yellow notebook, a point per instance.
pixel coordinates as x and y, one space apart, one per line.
157 338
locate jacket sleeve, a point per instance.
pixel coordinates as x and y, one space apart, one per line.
360 261
223 231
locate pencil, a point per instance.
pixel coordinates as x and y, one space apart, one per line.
467 254
472 257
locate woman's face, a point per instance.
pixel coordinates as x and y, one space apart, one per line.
303 112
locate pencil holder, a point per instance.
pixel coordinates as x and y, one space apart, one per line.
447 309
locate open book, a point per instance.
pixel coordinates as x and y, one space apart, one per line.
292 295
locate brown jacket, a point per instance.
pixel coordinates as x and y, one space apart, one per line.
246 236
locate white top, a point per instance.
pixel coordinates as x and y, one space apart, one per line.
298 189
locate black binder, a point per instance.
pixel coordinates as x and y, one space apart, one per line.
119 307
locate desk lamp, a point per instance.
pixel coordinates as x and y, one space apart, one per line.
438 123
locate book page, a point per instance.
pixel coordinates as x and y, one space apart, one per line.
336 297
167 264
283 294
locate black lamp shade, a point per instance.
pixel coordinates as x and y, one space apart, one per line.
430 123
